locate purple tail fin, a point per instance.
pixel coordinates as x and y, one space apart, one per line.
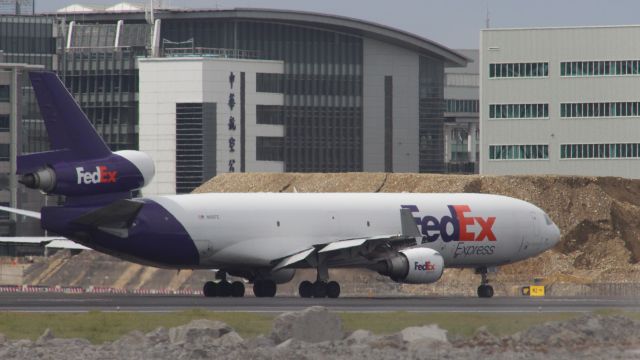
71 134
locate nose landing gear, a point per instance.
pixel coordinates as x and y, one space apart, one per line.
484 290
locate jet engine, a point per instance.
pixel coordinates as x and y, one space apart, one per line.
413 266
121 171
281 276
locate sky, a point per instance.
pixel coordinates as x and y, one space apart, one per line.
453 23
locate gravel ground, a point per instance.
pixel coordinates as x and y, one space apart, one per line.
316 333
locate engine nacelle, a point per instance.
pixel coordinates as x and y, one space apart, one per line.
414 266
122 171
281 276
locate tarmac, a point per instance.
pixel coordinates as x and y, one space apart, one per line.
57 302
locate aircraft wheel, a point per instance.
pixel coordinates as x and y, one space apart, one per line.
305 289
264 288
257 288
485 291
237 289
319 289
270 288
209 289
224 288
333 289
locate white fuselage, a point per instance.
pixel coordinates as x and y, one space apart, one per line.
256 229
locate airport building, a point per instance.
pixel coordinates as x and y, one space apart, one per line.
322 93
201 116
26 43
560 101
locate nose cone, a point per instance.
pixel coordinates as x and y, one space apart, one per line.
550 233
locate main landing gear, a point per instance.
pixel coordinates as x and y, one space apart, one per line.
484 290
320 288
223 288
264 288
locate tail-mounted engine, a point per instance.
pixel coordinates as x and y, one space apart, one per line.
121 171
413 266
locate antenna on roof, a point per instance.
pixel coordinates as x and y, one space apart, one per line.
488 19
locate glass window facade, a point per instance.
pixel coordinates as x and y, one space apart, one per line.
270 83
465 106
431 115
4 152
189 146
269 148
518 111
104 81
29 40
600 151
519 152
604 109
322 84
600 68
270 114
4 123
5 93
518 70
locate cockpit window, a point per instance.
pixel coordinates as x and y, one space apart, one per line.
547 219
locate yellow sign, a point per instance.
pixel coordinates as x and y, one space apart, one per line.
536 290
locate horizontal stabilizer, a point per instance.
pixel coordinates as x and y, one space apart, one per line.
27 213
33 162
119 214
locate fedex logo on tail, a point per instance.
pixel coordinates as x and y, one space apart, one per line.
456 227
102 175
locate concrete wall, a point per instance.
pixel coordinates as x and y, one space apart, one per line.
555 45
167 81
380 60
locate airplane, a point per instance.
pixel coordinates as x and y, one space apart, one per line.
264 237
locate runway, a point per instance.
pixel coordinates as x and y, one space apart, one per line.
52 302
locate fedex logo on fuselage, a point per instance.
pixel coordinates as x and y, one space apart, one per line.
457 227
102 175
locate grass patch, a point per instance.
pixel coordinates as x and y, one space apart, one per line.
99 327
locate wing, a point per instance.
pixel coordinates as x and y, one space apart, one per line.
355 251
45 241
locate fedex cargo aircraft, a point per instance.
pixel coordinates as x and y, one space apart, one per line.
265 237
